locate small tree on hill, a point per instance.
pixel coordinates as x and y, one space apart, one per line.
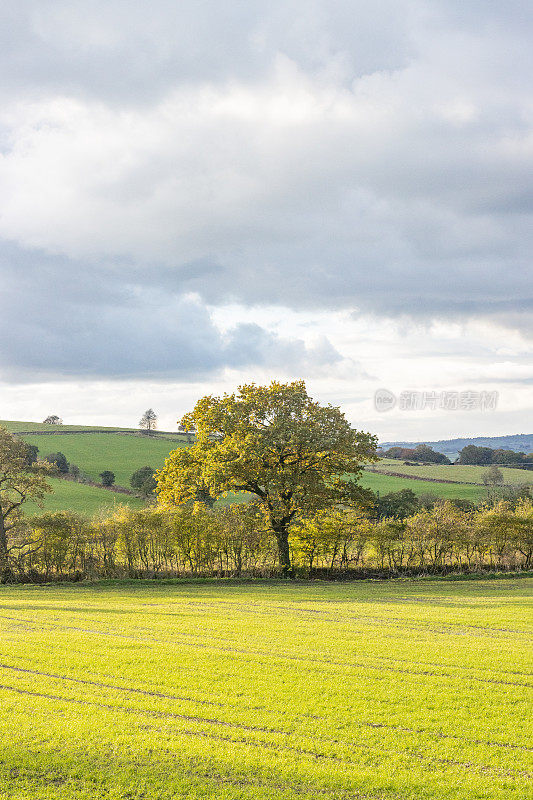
144 481
53 419
492 476
31 454
59 460
148 421
107 477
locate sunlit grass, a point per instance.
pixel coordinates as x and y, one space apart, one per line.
397 690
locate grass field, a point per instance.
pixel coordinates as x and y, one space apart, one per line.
79 497
267 690
455 472
17 425
389 483
123 454
98 451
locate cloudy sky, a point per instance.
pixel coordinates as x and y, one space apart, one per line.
195 194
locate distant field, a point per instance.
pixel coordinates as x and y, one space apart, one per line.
396 690
123 454
15 426
388 483
455 472
99 451
88 500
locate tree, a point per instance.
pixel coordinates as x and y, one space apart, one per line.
144 481
148 421
471 454
397 504
53 419
59 460
423 452
107 477
274 442
492 476
17 486
31 454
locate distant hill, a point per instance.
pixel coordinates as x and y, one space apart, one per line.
450 447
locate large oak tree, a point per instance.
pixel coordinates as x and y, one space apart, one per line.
274 442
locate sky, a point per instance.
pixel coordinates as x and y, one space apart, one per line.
197 195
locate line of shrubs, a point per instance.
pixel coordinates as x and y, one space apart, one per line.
234 541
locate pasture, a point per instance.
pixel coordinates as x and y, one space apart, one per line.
83 499
94 452
395 690
379 482
463 473
123 451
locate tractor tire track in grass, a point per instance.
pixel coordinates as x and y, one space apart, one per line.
312 662
315 754
180 698
262 744
100 685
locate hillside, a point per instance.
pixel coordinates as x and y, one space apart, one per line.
124 450
121 450
122 454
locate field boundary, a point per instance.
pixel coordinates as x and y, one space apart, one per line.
164 435
429 480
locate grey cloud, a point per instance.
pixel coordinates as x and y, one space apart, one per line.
131 52
374 157
53 326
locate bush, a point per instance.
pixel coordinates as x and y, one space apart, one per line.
107 477
59 460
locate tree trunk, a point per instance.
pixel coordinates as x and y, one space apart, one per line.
282 538
5 570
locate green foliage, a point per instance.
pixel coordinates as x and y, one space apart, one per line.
397 504
475 455
276 443
31 455
17 487
144 481
421 452
107 477
59 461
192 538
139 690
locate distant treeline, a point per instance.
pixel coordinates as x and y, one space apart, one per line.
234 541
471 454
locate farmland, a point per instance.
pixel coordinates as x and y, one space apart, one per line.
123 451
379 482
122 454
367 691
462 473
83 499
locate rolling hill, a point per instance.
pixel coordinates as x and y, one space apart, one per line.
124 450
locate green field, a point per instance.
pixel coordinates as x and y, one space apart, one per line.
364 691
455 472
125 451
96 452
79 497
389 483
